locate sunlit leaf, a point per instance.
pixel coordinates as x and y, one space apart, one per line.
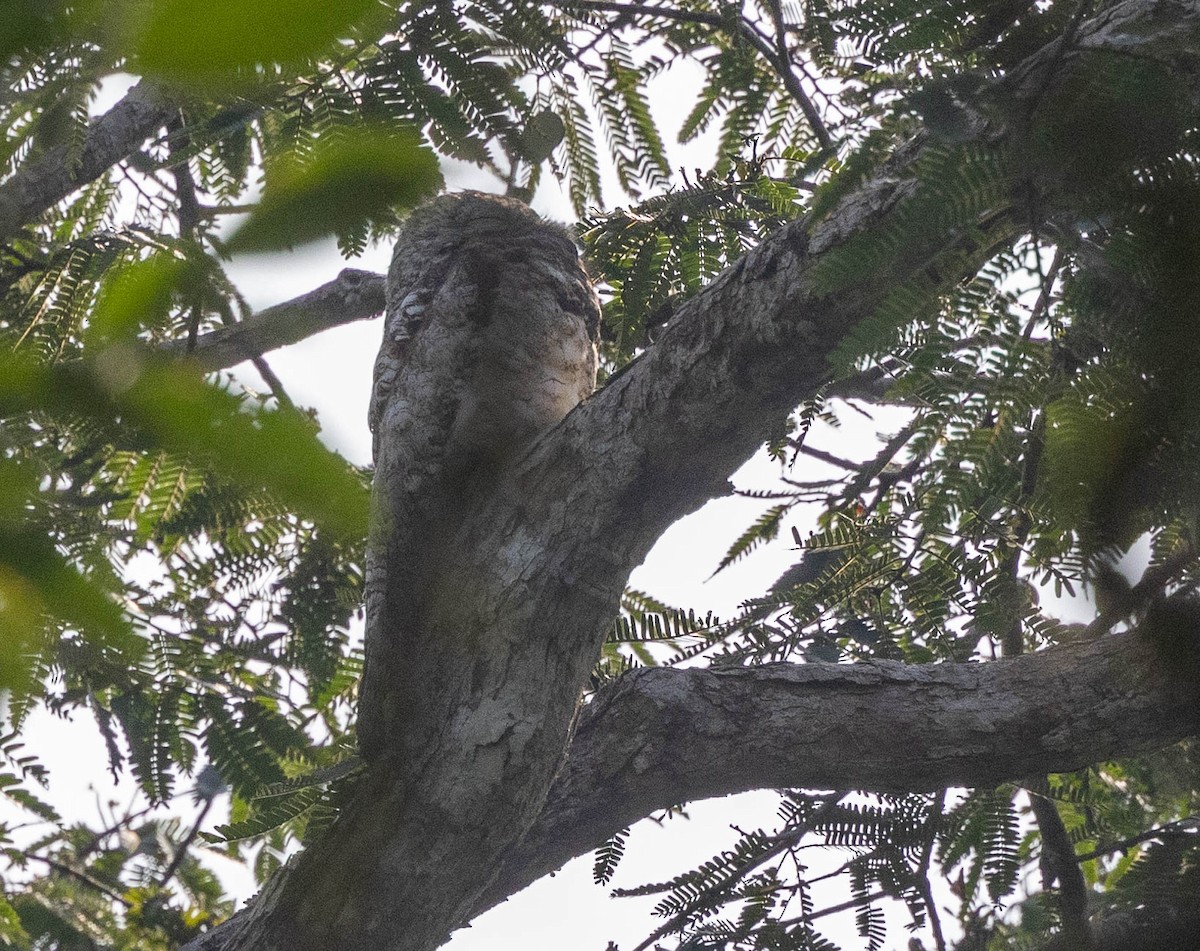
12 935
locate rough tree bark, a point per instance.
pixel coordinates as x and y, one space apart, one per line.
662 736
544 553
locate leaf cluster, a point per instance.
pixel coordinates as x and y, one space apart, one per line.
181 558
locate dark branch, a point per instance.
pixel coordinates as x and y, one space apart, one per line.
662 736
781 57
352 295
829 458
1059 865
112 137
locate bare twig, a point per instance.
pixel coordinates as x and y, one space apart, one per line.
1042 306
1180 827
834 909
875 468
80 876
181 171
644 9
182 849
935 923
830 458
188 206
1012 642
791 82
216 211
272 380
352 295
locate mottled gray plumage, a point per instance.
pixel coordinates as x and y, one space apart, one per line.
489 340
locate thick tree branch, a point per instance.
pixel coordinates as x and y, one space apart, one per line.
663 436
352 295
112 137
525 590
662 736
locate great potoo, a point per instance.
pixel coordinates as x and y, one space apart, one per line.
489 340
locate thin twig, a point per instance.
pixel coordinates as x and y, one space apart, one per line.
835 909
828 457
609 28
273 382
1060 864
81 876
216 211
189 205
1180 827
644 9
115 826
1042 306
1012 641
791 82
935 923
182 850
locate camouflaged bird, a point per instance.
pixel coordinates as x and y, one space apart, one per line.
489 340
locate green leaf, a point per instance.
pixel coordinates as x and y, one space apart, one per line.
134 296
38 583
12 935
542 136
170 407
1091 447
34 804
229 42
267 815
361 174
764 529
